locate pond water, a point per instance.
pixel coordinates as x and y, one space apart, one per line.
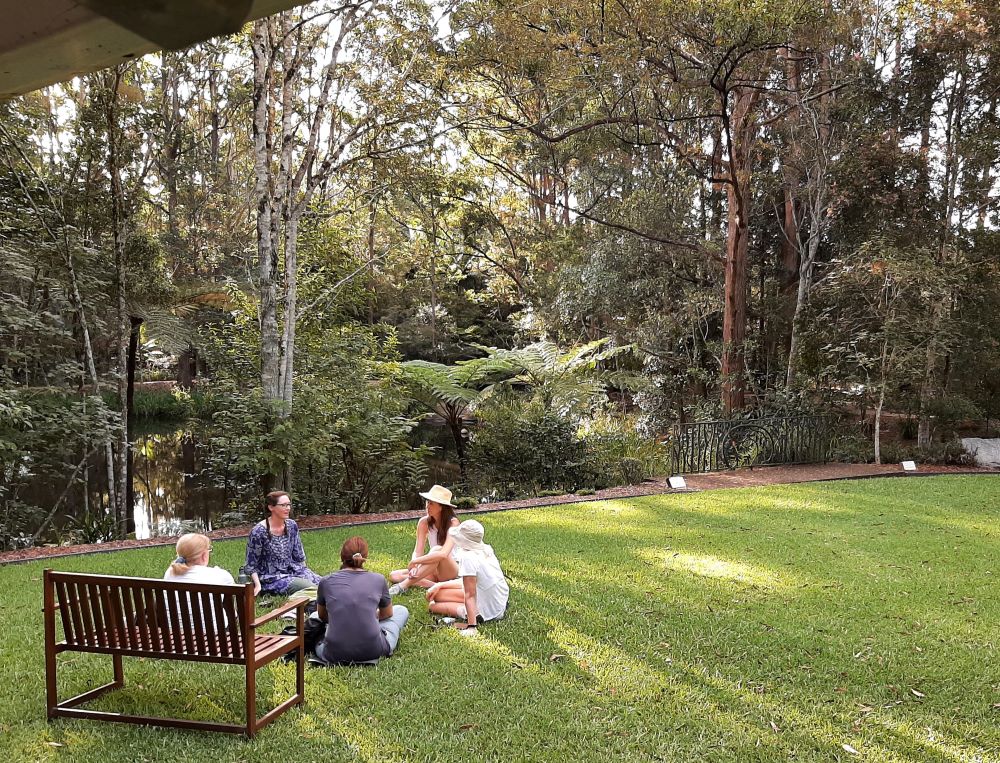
172 494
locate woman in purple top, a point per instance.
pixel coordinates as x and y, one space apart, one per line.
362 624
276 560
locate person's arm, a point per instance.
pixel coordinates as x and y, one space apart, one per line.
298 552
321 612
434 589
255 550
384 602
418 546
436 553
471 604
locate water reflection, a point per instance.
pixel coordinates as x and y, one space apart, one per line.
172 492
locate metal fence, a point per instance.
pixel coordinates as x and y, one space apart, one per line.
707 446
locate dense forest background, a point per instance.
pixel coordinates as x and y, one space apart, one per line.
525 238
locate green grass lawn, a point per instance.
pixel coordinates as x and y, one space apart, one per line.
763 624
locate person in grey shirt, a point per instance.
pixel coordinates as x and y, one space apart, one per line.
362 624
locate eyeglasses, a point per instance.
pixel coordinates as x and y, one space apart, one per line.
284 505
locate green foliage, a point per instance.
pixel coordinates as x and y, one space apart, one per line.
520 449
345 444
92 527
45 437
617 454
466 502
947 453
948 412
170 405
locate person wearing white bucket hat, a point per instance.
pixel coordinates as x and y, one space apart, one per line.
480 592
439 562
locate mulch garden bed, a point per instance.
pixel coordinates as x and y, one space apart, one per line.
768 475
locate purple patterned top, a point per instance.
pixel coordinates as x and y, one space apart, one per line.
277 559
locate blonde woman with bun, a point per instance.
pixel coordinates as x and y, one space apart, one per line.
191 566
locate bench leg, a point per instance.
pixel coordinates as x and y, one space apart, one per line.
251 689
54 706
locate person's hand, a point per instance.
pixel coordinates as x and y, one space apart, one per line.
256 588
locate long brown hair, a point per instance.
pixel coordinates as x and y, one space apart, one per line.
354 553
447 515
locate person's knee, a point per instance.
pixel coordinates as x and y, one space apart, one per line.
401 612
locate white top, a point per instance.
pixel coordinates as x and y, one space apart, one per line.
492 591
202 574
432 541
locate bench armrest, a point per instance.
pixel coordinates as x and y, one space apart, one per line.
276 613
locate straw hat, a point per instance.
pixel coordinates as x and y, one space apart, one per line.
439 494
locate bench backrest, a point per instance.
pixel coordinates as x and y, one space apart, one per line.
154 618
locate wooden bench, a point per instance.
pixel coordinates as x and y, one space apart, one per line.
167 620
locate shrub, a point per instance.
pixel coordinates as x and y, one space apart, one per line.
523 448
617 454
161 404
466 502
950 453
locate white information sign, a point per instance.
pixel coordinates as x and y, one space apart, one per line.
909 466
677 483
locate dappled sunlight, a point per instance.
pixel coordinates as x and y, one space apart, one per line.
708 566
949 747
364 738
614 670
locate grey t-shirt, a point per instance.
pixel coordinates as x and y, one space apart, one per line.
352 600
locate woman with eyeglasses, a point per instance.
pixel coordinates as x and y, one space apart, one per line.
276 561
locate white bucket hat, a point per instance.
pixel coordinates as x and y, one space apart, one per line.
468 536
439 494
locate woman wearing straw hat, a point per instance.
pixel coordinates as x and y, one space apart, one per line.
439 563
480 592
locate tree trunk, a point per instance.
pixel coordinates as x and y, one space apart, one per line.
740 131
119 228
267 260
133 352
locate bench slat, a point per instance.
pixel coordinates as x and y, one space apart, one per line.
197 622
67 610
235 627
113 597
221 625
85 634
97 615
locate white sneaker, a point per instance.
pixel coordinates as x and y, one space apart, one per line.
447 621
396 589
